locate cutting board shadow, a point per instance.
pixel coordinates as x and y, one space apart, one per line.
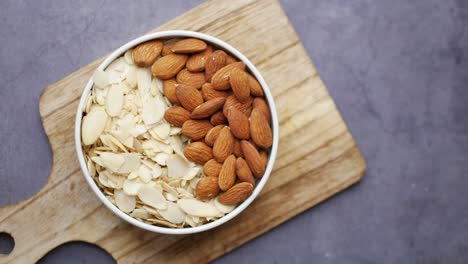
317 155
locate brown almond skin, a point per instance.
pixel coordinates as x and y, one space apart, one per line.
168 66
213 134
196 129
231 101
227 175
223 145
169 90
215 61
208 108
212 168
260 129
255 87
239 81
189 97
218 118
196 62
167 49
252 157
207 188
145 54
243 171
198 152
230 59
239 124
262 105
220 80
209 93
189 45
264 157
194 79
237 151
177 116
237 194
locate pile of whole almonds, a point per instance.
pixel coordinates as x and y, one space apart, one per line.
175 132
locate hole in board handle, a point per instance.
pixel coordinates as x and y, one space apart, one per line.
7 243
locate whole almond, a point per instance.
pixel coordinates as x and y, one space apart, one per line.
212 168
261 105
198 152
239 123
255 87
196 129
208 108
216 61
188 96
213 134
220 80
195 79
252 157
237 151
243 171
189 45
209 93
176 116
196 62
264 157
167 49
230 59
239 81
260 129
207 188
145 54
227 175
237 194
223 145
231 101
248 111
169 90
218 118
168 66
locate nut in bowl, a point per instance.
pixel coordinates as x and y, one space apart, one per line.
176 132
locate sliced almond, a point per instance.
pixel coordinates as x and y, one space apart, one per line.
152 197
115 100
197 208
124 202
92 126
173 213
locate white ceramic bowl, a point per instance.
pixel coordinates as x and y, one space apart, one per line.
271 159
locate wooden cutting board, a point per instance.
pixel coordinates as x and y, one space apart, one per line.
317 155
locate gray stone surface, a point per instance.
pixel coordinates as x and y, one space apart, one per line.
397 70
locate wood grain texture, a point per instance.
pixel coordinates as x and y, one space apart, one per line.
317 155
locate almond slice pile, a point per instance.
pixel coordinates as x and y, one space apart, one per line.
176 132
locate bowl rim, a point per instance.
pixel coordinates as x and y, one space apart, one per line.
275 127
